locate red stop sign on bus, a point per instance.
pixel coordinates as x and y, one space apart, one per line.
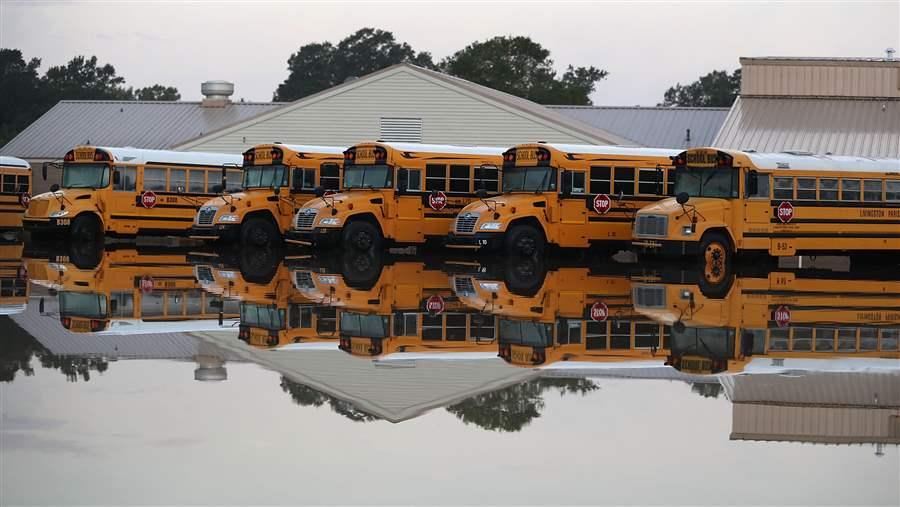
24 199
599 312
785 212
146 283
148 199
435 304
437 201
782 316
602 203
329 193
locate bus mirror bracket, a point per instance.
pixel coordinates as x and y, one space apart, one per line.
44 170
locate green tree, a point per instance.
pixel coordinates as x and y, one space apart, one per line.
157 92
306 396
82 78
21 93
716 89
522 67
321 65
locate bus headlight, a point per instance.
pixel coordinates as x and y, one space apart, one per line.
60 213
228 218
491 226
687 230
330 221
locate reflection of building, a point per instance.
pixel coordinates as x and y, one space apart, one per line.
828 408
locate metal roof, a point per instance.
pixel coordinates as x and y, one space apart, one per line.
13 162
657 127
865 128
142 124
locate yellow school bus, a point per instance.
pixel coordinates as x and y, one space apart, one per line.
14 287
406 193
128 191
405 306
783 204
784 316
565 314
277 180
129 291
15 191
565 195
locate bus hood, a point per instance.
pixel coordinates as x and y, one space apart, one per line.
669 206
500 203
42 205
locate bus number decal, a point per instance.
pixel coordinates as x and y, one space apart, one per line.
785 212
602 204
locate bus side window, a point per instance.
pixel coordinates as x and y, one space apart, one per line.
892 190
872 190
487 178
828 189
235 180
406 324
849 190
127 179
154 179
412 178
784 188
577 182
197 181
600 177
9 183
806 189
435 177
460 176
647 181
762 186
624 181
177 180
330 176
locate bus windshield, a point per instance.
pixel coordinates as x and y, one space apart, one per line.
82 304
364 326
367 176
702 182
525 332
529 179
268 176
262 316
709 342
85 176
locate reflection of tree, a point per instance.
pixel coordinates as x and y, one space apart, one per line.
308 397
514 407
707 390
18 348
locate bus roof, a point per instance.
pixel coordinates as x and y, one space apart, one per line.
442 148
308 148
592 149
13 162
137 326
142 156
802 161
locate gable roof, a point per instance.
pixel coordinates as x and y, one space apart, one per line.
657 127
520 106
140 124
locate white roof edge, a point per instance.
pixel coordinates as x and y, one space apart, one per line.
594 149
441 148
7 161
144 156
308 148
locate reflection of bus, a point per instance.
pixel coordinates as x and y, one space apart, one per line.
566 195
272 313
783 316
277 179
403 306
565 314
131 292
128 191
15 191
406 193
13 279
781 203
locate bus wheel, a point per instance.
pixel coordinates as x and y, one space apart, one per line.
86 228
716 257
362 235
524 239
258 231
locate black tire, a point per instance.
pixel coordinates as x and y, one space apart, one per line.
524 276
259 265
86 228
361 270
260 232
524 239
362 236
716 261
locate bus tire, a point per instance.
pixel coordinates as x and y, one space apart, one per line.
362 235
524 239
716 259
86 227
259 232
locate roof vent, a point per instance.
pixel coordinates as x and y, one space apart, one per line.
216 93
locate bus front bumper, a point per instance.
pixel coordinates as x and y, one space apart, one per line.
488 240
666 247
218 231
319 236
46 225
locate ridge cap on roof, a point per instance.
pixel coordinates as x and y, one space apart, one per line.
166 102
661 108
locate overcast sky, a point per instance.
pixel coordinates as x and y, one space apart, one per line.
646 47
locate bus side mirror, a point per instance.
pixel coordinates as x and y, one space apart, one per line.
481 193
682 198
566 189
752 183
117 178
44 170
224 180
54 187
277 190
678 327
320 191
218 189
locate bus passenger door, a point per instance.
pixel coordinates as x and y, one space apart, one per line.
572 211
410 206
122 207
757 209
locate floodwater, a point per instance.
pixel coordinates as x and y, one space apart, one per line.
170 376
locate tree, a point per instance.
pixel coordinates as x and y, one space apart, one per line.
306 396
83 79
157 92
21 93
716 89
321 65
522 67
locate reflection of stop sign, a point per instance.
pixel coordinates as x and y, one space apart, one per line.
148 199
329 193
782 316
435 304
146 284
24 199
599 312
785 212
602 203
437 201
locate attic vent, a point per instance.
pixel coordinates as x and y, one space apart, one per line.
406 130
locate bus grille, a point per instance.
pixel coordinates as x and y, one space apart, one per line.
651 225
465 223
303 280
648 296
306 218
206 215
463 286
